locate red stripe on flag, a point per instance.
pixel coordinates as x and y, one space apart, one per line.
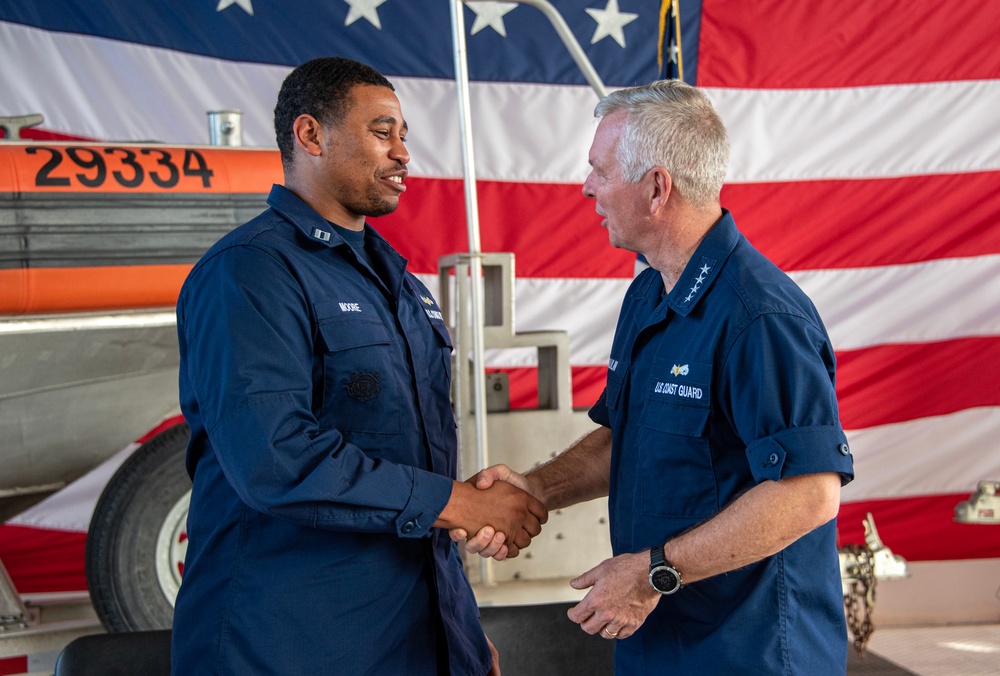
39 134
42 560
588 383
551 228
845 43
920 528
846 224
893 383
13 665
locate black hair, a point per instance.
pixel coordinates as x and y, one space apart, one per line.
321 88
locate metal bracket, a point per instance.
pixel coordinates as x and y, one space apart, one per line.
13 124
13 613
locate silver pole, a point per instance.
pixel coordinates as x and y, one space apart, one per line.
475 251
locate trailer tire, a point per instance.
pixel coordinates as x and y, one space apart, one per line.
140 518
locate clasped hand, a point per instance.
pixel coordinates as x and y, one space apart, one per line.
503 514
492 540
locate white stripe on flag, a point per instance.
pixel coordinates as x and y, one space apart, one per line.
941 454
921 302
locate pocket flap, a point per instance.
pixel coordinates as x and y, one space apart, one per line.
675 418
350 331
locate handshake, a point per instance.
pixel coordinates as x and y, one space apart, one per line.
497 508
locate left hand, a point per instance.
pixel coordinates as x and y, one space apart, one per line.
621 597
495 667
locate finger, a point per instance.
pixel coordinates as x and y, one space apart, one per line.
480 540
610 633
493 546
624 633
457 534
501 553
533 527
536 507
580 613
598 619
594 624
512 550
522 539
490 475
588 579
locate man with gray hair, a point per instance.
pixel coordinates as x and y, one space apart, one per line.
719 447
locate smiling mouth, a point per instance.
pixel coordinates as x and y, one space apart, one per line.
397 179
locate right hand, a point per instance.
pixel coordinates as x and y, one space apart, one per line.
489 542
502 506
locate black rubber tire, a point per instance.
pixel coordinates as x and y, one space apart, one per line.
121 541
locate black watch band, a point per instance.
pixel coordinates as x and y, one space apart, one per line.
662 575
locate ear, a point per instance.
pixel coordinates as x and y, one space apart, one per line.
661 186
308 133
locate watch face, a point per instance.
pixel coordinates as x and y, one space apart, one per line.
664 580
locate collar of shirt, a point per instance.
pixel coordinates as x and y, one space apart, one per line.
704 265
316 228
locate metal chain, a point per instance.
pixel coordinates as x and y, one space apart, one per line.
860 600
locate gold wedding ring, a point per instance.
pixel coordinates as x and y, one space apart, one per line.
610 635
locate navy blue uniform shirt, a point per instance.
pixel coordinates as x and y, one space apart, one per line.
725 382
322 450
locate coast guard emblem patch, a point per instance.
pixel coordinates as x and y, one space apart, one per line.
364 386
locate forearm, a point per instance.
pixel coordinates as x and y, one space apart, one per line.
580 473
761 522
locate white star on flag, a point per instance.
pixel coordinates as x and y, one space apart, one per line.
490 15
610 22
245 4
363 9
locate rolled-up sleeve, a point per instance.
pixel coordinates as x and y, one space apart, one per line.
778 378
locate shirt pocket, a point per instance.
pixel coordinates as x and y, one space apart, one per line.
675 471
444 343
617 369
361 392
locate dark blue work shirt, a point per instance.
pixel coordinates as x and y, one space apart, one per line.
725 382
323 449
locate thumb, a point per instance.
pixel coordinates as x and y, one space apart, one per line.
588 579
490 475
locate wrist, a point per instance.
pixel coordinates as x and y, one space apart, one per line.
451 514
535 487
664 577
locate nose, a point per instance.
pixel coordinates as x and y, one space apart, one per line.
398 151
588 191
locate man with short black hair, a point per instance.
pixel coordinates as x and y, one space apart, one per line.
314 375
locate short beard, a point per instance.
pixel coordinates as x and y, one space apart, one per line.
374 206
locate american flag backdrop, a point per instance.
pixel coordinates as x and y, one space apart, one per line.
866 164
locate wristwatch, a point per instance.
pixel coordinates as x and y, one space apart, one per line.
663 576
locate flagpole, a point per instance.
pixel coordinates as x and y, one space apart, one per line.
571 44
475 259
472 221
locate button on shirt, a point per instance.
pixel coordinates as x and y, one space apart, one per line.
725 382
316 386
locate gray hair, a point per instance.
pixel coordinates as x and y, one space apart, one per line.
672 125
